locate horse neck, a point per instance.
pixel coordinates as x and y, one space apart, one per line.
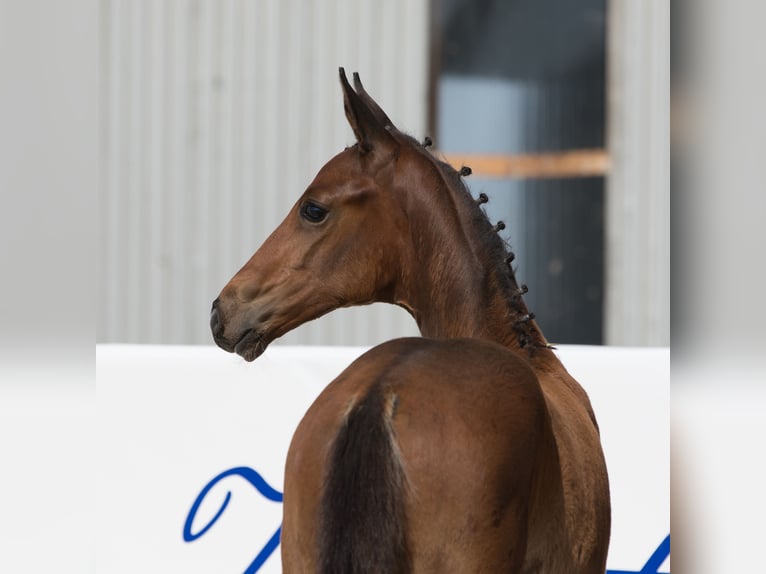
458 283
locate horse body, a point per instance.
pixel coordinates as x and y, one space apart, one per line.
469 405
469 450
440 412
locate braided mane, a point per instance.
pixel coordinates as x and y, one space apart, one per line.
498 253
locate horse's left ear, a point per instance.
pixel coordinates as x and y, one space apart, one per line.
370 132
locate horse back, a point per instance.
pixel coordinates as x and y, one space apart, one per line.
422 456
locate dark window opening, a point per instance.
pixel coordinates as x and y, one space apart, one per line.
520 77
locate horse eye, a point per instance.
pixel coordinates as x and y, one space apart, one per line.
313 213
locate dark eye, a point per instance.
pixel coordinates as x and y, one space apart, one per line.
312 212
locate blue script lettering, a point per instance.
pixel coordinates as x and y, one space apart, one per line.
652 565
261 486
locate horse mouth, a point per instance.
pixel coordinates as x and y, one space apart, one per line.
251 345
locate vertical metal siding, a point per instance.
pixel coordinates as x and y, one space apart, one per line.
638 194
218 114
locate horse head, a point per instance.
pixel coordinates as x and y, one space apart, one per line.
340 245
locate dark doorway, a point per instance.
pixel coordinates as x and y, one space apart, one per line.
520 77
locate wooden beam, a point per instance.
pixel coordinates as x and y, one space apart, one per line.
575 163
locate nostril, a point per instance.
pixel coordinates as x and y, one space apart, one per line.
216 325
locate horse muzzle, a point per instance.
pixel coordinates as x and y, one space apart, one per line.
248 342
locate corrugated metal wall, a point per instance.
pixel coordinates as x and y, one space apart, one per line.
216 115
638 186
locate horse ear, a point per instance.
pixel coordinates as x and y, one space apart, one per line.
370 133
376 110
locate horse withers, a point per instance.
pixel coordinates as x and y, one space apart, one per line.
468 450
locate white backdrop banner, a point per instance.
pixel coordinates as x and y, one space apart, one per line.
194 440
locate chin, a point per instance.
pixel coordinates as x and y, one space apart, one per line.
251 346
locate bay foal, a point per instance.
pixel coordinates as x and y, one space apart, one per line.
468 450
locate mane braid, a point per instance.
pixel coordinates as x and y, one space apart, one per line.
497 251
